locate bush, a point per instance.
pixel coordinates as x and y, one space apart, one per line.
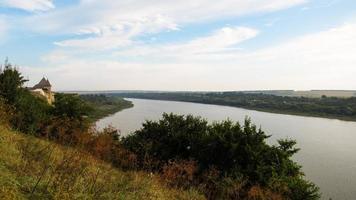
6 113
31 113
65 131
70 106
239 152
180 173
258 193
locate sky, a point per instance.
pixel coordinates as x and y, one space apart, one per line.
182 45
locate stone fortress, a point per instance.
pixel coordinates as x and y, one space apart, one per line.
43 89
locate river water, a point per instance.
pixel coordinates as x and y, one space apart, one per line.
328 146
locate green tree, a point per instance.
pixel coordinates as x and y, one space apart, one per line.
71 106
11 82
72 109
31 113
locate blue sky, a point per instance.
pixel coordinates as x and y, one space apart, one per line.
184 45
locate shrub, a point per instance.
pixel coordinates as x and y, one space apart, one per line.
70 106
258 193
239 152
6 113
180 173
31 113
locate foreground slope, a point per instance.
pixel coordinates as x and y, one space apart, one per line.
31 168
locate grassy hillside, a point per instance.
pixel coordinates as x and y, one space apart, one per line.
31 168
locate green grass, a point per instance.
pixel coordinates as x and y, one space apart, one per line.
32 168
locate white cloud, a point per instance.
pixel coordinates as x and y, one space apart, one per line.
29 5
102 21
335 46
108 41
319 60
119 35
212 62
323 60
218 42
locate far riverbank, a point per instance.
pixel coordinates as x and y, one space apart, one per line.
324 107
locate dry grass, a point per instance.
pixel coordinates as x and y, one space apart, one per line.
31 168
180 173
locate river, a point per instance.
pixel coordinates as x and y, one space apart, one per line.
328 146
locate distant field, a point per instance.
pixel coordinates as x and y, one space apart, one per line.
307 93
292 93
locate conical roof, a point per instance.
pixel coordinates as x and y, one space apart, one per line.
42 84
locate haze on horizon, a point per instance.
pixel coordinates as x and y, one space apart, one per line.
195 45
